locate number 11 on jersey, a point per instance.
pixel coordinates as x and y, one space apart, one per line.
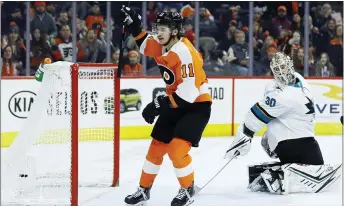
190 69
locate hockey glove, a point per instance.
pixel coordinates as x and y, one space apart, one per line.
154 108
266 147
241 144
149 113
132 20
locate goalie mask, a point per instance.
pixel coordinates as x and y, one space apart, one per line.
282 67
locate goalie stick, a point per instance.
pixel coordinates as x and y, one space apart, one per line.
199 189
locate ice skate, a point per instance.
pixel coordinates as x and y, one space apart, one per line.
139 198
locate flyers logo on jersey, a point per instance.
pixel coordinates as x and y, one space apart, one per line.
167 75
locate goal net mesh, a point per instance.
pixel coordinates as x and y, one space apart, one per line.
37 167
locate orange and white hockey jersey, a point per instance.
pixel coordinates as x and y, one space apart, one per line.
181 69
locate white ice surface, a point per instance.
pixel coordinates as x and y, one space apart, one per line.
228 189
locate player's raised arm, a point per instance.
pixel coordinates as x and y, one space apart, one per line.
148 44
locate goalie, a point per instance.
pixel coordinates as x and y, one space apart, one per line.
288 111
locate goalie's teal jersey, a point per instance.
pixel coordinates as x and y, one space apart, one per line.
288 112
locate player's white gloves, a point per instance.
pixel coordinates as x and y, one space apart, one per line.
241 144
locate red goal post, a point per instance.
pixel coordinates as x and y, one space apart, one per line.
71 138
75 68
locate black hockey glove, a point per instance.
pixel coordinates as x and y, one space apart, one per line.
149 113
154 108
132 20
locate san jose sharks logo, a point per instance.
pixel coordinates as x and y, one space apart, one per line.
310 106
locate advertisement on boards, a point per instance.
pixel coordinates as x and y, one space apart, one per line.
327 95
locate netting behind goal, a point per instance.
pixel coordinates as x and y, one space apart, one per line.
74 113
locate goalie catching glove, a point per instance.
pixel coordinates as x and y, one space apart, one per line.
241 144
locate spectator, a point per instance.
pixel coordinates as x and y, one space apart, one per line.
262 67
323 67
189 33
133 68
95 20
152 13
43 21
221 59
114 57
238 53
80 29
18 19
296 23
323 37
293 45
62 49
15 42
228 39
92 47
258 31
325 15
10 67
51 9
336 51
282 39
299 61
206 23
40 49
62 20
280 22
268 42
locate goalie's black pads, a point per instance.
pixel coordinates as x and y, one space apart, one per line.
302 150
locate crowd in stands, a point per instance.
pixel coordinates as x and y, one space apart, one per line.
223 35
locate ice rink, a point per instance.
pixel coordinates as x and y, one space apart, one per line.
228 189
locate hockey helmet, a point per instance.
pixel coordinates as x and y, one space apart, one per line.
171 19
283 68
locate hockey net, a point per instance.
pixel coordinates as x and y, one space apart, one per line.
70 139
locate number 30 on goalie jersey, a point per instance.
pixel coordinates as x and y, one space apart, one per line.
288 112
181 69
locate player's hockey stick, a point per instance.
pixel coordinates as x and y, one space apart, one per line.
198 189
120 62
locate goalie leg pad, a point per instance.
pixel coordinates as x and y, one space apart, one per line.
310 178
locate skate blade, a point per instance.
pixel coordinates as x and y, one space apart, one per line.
189 202
138 204
197 189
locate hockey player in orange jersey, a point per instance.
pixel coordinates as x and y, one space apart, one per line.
183 113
